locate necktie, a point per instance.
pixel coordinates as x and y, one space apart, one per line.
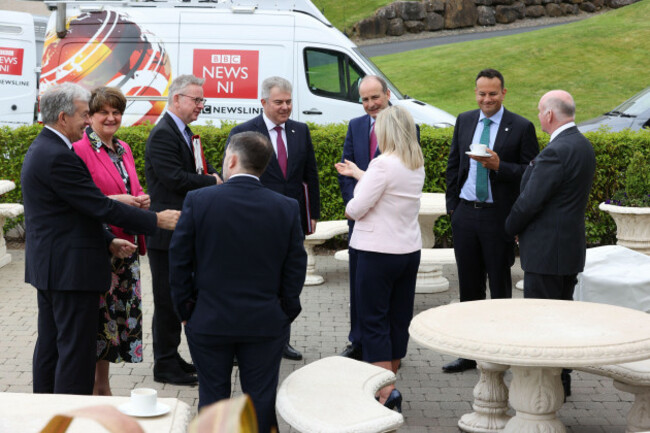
188 137
282 151
482 172
373 142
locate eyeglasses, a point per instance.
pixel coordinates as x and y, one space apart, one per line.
197 101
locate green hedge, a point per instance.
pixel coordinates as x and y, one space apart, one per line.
613 151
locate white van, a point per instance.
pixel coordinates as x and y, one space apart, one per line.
18 72
141 46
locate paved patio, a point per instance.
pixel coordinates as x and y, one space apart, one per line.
433 400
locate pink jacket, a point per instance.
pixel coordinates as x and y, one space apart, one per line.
108 179
385 207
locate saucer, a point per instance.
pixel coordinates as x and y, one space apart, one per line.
469 152
160 409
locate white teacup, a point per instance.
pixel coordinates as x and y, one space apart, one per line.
479 149
143 400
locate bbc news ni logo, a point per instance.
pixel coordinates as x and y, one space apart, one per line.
226 59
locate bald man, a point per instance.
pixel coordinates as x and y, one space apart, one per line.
549 215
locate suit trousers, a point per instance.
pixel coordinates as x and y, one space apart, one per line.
258 359
385 286
481 250
66 348
166 326
542 286
355 324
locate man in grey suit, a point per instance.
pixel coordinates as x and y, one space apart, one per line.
549 215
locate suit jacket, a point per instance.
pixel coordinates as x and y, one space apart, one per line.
66 245
385 207
109 180
549 215
237 261
515 143
170 172
301 166
356 148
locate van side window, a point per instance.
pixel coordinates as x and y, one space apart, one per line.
332 74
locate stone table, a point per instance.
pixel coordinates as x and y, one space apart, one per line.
536 338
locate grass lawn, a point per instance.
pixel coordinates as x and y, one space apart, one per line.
601 61
343 14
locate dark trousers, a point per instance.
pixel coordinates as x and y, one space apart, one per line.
544 286
385 293
258 359
481 250
355 324
66 348
165 326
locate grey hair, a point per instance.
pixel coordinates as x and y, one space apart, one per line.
60 99
272 82
384 84
181 83
562 105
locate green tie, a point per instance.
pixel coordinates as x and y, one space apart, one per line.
482 172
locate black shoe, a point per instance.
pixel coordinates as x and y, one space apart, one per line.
353 351
394 400
175 378
461 364
187 367
291 353
566 382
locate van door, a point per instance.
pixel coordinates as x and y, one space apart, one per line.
328 85
17 69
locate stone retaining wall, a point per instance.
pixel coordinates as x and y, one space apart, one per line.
403 17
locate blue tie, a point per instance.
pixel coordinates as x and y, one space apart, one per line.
482 172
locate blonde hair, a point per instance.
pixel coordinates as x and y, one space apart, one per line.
396 134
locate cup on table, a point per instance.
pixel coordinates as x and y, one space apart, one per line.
143 400
478 149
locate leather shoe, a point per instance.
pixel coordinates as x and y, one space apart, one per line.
175 378
461 364
187 367
291 353
353 351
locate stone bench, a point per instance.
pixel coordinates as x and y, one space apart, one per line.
7 210
324 230
337 395
430 279
632 377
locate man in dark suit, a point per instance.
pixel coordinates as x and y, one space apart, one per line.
481 191
293 163
171 171
67 249
360 147
549 215
237 269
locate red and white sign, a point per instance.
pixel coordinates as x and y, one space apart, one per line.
228 73
11 61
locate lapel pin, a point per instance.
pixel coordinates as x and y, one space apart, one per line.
507 129
293 132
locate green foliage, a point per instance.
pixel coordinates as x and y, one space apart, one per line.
637 182
344 14
614 154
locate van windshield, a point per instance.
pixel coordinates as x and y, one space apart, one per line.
377 71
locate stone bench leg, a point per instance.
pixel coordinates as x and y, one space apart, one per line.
490 401
430 279
638 419
311 278
5 258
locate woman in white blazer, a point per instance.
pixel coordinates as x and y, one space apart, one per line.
387 236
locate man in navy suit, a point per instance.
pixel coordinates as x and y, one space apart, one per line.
481 191
375 96
67 248
293 163
237 267
171 171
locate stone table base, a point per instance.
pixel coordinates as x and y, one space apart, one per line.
490 401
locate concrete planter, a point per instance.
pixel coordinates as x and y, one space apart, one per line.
632 226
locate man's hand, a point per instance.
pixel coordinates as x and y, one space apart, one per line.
167 219
313 226
126 199
121 248
490 162
219 180
144 201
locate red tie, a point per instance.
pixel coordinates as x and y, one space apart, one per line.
373 142
282 151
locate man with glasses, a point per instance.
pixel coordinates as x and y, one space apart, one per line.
171 171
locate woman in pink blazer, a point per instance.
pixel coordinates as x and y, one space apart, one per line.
387 236
111 164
